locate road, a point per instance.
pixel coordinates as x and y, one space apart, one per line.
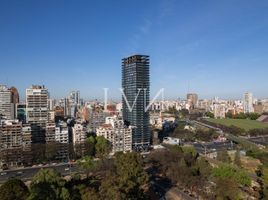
207 126
209 147
262 140
253 141
27 173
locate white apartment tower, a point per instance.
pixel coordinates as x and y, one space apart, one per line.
75 97
37 111
7 107
79 134
248 102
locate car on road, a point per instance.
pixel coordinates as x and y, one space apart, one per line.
19 173
3 173
67 169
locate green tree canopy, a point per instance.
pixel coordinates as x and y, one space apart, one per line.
204 167
223 156
209 114
228 171
227 189
90 146
13 189
128 178
48 175
87 164
103 147
48 184
237 159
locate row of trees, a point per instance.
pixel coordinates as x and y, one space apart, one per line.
262 174
185 168
124 178
191 136
258 132
224 157
179 114
262 171
251 116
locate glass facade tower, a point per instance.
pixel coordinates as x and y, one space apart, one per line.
136 87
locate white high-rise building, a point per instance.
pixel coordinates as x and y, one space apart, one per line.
192 99
51 104
248 102
79 134
37 111
219 110
75 97
7 107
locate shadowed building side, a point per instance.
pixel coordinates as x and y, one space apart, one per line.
136 87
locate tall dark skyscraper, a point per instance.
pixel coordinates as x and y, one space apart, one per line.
136 87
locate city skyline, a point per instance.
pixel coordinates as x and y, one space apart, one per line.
157 96
209 48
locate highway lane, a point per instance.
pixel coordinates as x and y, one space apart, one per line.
258 140
262 140
28 173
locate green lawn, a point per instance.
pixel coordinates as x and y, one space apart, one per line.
242 123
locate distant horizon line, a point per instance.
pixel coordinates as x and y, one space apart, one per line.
117 100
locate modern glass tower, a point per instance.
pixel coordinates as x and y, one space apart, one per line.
136 87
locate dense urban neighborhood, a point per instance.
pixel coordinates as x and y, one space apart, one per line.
133 100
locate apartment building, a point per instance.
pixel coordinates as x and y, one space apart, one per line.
117 134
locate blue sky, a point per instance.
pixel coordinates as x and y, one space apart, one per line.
211 47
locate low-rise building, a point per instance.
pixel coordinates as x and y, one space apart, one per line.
50 132
96 118
62 133
62 139
27 145
117 134
171 141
